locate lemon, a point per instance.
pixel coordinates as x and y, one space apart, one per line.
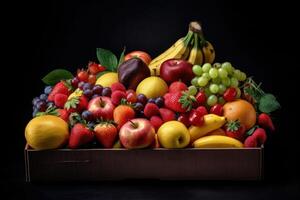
152 87
106 80
46 132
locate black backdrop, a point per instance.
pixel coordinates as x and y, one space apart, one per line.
259 39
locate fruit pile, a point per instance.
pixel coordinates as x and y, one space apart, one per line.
179 99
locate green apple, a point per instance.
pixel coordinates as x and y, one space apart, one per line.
173 134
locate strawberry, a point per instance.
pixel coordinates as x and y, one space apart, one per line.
59 88
265 121
258 138
106 134
202 110
177 87
167 114
235 130
64 114
118 86
76 104
196 118
156 122
184 118
80 135
151 109
179 101
60 100
117 96
122 114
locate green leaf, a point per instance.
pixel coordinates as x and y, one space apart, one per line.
122 56
251 130
107 59
57 75
268 103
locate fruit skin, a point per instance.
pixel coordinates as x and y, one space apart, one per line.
265 121
152 87
77 104
132 72
151 109
145 57
46 132
101 107
175 69
173 134
117 96
216 109
106 134
208 52
118 86
155 143
235 130
80 135
167 114
258 138
184 118
230 94
240 110
64 114
156 122
211 122
217 141
107 79
196 56
196 118
60 100
122 114
137 133
201 97
202 110
59 88
177 86
218 131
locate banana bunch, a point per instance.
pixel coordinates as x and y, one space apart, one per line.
193 48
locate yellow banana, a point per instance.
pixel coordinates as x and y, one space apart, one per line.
179 52
196 56
208 52
217 141
211 122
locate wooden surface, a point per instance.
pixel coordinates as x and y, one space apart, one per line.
162 164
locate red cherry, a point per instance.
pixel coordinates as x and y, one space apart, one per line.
217 109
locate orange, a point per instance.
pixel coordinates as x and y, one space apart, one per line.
241 110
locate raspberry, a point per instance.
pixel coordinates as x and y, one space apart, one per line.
151 109
118 86
167 114
156 122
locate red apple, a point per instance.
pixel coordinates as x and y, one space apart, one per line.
137 133
101 107
175 69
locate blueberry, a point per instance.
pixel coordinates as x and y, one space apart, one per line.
91 125
41 106
138 106
44 97
106 92
97 89
35 100
87 115
87 86
140 114
159 101
95 95
151 100
35 111
47 89
142 99
88 93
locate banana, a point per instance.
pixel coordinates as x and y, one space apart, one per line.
217 141
179 52
196 56
208 52
211 122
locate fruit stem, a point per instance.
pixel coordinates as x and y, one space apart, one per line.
134 125
195 26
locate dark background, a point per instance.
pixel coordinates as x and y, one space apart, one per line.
258 39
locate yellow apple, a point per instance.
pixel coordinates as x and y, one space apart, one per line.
173 134
152 87
106 80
